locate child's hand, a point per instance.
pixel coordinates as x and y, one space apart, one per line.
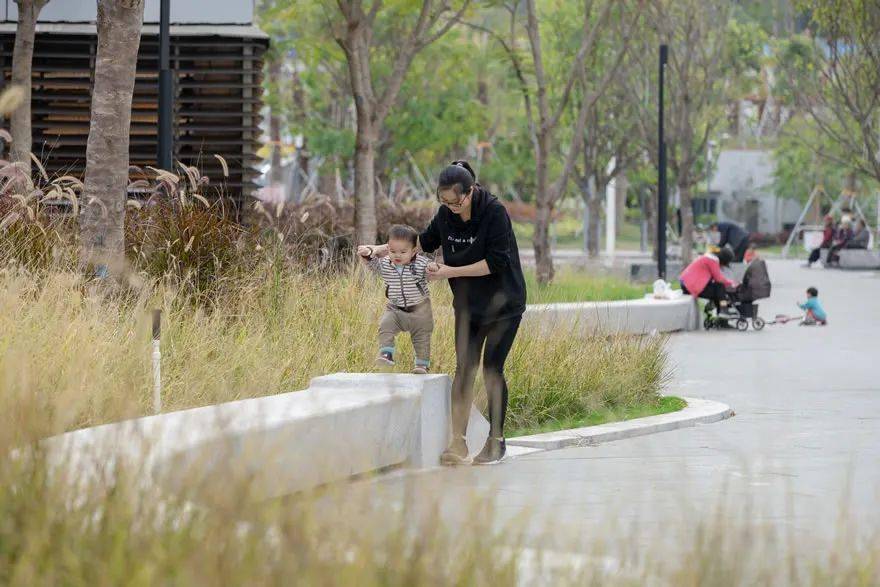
439 272
433 267
365 251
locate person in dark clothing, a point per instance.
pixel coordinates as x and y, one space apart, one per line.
734 236
848 239
481 262
827 240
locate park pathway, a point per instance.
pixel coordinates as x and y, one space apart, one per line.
802 450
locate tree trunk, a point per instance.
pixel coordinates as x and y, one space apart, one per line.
649 203
275 165
543 215
541 240
365 185
687 224
106 178
621 186
595 208
649 216
22 58
597 196
592 215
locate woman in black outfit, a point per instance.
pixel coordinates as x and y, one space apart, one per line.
481 262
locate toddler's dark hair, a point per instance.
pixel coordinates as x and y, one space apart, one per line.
725 257
459 176
402 232
812 291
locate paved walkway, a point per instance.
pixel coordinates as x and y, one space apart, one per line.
803 448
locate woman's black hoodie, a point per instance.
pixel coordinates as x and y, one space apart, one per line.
487 235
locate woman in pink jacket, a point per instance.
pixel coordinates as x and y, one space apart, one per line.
703 277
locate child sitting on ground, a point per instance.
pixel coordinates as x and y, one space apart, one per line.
815 314
406 286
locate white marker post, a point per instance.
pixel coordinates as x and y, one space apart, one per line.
157 362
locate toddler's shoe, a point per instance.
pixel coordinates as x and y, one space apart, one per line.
420 370
385 359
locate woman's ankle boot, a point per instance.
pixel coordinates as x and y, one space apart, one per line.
456 453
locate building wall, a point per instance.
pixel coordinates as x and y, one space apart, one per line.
182 11
744 181
217 88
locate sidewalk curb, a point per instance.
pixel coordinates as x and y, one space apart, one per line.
698 411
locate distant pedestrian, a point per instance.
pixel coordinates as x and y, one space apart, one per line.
815 313
848 239
408 308
827 240
732 235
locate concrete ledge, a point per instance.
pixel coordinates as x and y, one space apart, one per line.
621 317
859 259
698 411
342 425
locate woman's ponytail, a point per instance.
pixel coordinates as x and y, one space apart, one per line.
458 176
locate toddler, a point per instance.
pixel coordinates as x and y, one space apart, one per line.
406 286
815 314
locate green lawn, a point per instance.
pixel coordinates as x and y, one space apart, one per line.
575 286
568 232
796 252
665 405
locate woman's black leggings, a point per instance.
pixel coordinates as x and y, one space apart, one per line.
493 340
715 292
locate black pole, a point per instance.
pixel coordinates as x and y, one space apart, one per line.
166 145
661 170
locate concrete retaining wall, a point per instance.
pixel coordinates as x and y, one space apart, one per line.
342 425
623 317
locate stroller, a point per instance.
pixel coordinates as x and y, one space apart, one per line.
755 286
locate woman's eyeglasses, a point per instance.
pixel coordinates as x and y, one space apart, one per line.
458 202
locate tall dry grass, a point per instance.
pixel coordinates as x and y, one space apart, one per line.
72 354
362 536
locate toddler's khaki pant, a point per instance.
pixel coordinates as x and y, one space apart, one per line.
419 323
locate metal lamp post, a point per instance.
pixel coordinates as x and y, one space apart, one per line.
661 171
166 141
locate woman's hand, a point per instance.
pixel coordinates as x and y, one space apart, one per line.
365 251
438 271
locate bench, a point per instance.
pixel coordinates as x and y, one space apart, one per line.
859 259
640 316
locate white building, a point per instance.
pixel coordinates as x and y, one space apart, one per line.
742 187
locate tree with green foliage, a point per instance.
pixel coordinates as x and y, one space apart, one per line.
838 82
804 159
702 75
404 30
609 144
363 55
559 43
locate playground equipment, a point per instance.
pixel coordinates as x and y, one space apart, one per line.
846 198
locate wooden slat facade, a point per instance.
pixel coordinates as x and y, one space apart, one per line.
218 87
